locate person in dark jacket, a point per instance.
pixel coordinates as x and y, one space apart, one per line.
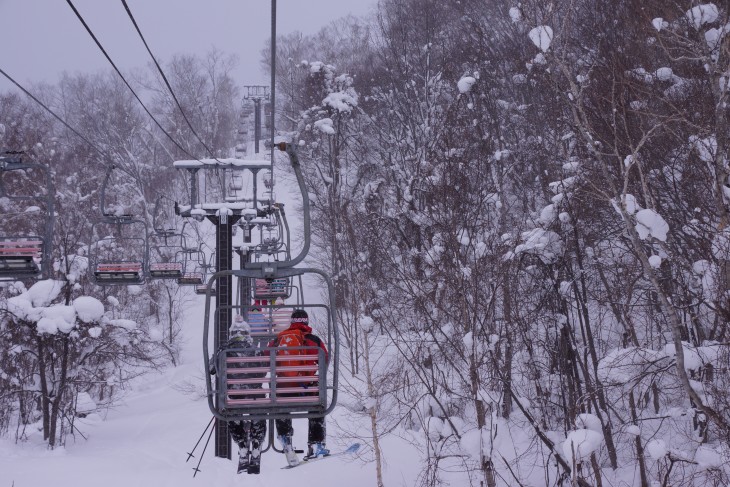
317 426
247 434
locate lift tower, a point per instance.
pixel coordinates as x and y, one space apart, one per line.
223 215
256 93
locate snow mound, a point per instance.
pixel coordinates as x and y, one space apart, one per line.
589 422
325 126
42 293
656 449
89 310
580 444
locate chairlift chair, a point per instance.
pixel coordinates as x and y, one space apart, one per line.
268 320
26 255
112 263
236 182
268 179
291 386
164 237
206 268
271 288
20 256
193 273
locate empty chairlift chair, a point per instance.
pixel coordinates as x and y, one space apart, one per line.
26 224
166 270
119 255
20 256
166 240
119 258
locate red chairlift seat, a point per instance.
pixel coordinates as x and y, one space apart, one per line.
120 272
166 270
203 289
190 279
20 257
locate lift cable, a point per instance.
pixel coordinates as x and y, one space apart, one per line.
164 78
83 22
57 117
106 156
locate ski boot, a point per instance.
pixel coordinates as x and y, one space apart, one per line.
254 463
289 453
244 459
315 450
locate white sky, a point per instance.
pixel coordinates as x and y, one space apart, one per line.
43 38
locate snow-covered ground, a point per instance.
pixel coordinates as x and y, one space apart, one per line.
145 440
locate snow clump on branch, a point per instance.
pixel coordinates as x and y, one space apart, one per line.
465 84
542 37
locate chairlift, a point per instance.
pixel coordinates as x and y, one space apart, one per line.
193 272
163 240
284 386
119 258
236 182
271 288
268 179
25 254
117 210
162 224
290 386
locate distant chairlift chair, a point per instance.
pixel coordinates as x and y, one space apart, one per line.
26 256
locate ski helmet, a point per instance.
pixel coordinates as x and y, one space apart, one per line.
300 316
239 327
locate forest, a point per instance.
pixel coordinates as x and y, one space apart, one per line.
524 207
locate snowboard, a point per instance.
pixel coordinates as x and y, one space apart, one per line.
352 449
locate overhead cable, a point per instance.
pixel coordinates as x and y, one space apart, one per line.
164 78
83 22
57 117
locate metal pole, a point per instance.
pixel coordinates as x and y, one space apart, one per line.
273 77
224 298
257 122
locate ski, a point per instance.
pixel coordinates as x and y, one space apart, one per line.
243 464
351 450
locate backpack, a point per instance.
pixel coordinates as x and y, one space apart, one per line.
287 339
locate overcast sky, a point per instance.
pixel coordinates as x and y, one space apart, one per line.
43 38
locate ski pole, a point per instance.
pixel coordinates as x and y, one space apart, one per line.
203 454
190 454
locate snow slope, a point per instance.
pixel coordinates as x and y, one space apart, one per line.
145 441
